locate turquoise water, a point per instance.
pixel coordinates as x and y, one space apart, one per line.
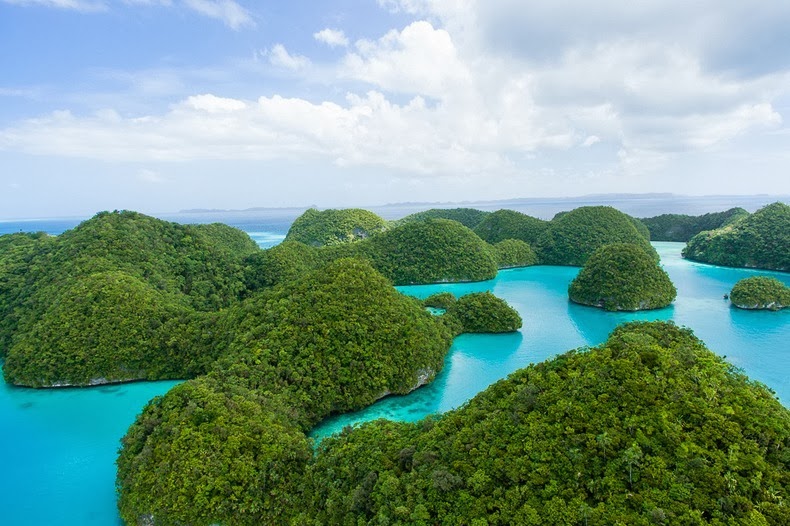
757 342
59 449
60 446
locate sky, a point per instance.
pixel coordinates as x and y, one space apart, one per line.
162 105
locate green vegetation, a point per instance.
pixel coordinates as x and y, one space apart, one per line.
430 251
572 237
469 217
512 253
484 312
17 251
104 327
681 227
440 300
640 227
211 452
649 428
337 338
333 340
121 297
760 292
280 263
757 241
417 252
621 276
331 227
509 224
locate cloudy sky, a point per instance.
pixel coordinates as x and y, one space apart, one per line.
159 105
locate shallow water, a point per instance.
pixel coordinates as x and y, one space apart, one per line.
758 342
60 445
59 449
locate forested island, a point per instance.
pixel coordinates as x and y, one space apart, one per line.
623 433
681 227
648 428
622 276
760 293
760 240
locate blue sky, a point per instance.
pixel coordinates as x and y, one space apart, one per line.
160 105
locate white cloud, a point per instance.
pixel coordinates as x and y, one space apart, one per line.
368 130
419 59
231 13
77 5
589 141
228 11
213 104
442 98
279 56
332 37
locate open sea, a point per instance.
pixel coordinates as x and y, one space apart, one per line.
60 445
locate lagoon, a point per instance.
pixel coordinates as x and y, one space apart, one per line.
756 341
60 445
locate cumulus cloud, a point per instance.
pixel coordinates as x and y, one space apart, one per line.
279 56
366 130
332 37
419 59
443 97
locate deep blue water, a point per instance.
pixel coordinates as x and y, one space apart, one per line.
60 446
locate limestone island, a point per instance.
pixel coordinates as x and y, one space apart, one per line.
760 293
760 240
572 237
648 428
624 433
622 277
478 312
682 227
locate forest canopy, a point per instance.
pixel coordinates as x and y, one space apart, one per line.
621 434
572 237
333 340
757 241
330 227
760 292
681 227
469 217
621 276
122 296
509 224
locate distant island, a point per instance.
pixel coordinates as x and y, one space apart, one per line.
667 202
